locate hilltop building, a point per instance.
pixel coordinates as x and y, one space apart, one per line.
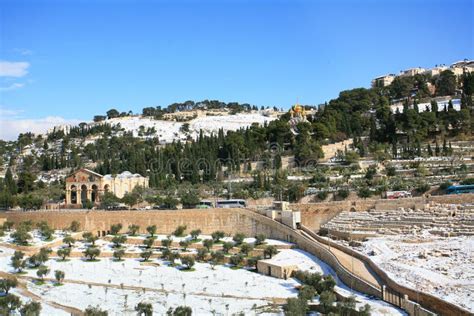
86 185
458 68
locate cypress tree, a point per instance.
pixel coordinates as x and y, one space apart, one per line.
10 182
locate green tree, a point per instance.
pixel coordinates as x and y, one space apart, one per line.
92 253
238 238
63 253
42 272
133 229
151 230
270 251
31 308
118 254
95 311
217 235
115 228
188 261
59 276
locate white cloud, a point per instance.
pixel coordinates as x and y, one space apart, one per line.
13 69
10 128
7 112
13 86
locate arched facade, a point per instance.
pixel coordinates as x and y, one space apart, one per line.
86 185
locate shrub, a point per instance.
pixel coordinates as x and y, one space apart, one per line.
133 229
195 233
167 242
236 259
149 241
322 195
21 237
326 300
95 311
445 185
260 239
118 254
422 187
184 244
43 254
69 240
42 271
7 284
202 254
269 251
8 225
343 193
227 246
252 261
115 228
217 236
180 311
151 230
9 303
306 292
118 240
208 243
63 253
145 309
179 231
17 261
238 238
92 253
59 276
217 257
245 248
295 307
188 261
145 255
31 308
74 227
90 238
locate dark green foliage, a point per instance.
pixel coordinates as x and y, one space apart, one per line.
115 228
179 231
195 233
188 261
179 311
63 253
217 235
260 239
227 246
238 238
208 243
92 253
133 229
145 255
270 251
7 284
31 308
145 309
236 260
95 311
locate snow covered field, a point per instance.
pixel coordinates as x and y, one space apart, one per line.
442 266
169 131
119 286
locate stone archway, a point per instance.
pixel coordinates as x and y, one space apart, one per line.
83 193
94 193
73 194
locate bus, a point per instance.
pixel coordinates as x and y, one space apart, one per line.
458 189
231 203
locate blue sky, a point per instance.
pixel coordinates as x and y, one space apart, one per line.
80 58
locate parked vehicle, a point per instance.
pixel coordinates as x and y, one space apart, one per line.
392 195
231 203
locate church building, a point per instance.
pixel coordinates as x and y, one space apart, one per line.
86 185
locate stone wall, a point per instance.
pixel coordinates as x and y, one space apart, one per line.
434 303
313 215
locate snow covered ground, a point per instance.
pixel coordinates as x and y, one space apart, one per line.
442 266
119 286
169 131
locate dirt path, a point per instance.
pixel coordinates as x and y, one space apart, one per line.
23 289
